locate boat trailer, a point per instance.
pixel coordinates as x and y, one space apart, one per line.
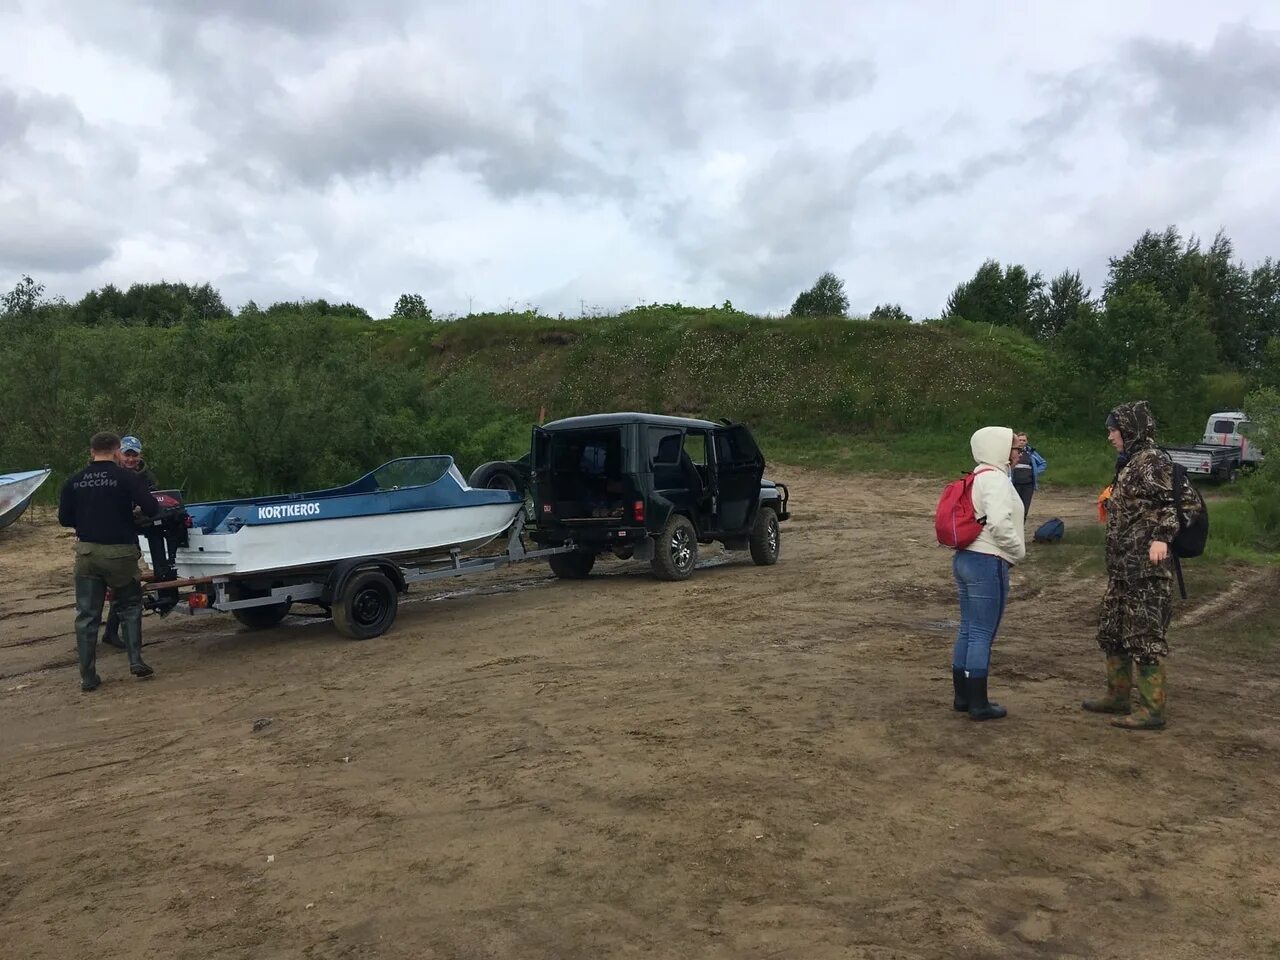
360 593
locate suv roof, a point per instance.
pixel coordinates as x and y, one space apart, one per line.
615 419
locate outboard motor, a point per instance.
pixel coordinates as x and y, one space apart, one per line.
165 533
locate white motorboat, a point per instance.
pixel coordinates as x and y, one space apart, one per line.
413 507
16 491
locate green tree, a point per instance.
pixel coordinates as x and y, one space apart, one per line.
826 298
1262 307
1163 263
1164 351
1225 286
1269 368
1093 358
1058 305
1263 407
21 302
1001 297
890 313
412 306
1155 260
316 309
160 304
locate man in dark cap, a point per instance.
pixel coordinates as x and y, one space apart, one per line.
130 459
1142 521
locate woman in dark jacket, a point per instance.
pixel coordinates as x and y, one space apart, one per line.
1024 473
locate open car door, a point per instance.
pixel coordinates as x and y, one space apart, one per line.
540 473
739 467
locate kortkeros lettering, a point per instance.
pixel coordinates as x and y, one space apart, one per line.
279 511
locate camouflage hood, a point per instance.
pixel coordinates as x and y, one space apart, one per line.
1136 423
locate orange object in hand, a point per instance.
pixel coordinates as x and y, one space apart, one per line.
1103 497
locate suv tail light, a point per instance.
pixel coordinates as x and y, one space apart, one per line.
638 509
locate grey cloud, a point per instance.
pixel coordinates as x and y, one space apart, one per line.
1221 89
668 84
795 218
37 244
308 19
771 83
19 112
1165 91
841 80
1072 98
382 129
916 188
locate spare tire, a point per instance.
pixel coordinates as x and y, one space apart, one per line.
497 475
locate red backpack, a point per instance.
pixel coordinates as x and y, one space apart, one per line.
954 522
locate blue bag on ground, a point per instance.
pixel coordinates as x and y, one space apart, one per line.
1050 531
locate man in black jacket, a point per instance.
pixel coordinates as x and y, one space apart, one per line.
99 503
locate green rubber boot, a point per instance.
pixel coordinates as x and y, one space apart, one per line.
1119 683
129 601
91 592
1151 697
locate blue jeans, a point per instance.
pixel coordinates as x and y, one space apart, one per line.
983 582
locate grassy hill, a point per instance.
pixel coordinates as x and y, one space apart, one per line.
267 404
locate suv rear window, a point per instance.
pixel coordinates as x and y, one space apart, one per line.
664 445
1224 426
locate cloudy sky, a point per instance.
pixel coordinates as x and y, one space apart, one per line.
599 154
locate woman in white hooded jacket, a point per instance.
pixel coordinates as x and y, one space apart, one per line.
982 569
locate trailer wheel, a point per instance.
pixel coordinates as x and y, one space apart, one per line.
261 618
572 566
367 605
766 538
675 553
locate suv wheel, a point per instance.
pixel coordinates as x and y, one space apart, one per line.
675 551
766 538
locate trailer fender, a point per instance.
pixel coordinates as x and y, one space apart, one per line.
346 569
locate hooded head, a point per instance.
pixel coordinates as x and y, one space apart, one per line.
992 446
1136 423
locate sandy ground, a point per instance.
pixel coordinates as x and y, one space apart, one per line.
760 762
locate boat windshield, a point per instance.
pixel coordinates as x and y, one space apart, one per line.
410 472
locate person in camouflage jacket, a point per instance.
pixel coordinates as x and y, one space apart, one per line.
1142 520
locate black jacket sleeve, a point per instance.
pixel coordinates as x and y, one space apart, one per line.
142 496
66 506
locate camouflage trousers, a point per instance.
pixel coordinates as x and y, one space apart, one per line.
1135 619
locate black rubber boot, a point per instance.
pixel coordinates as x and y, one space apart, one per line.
111 632
961 702
130 603
90 594
980 708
